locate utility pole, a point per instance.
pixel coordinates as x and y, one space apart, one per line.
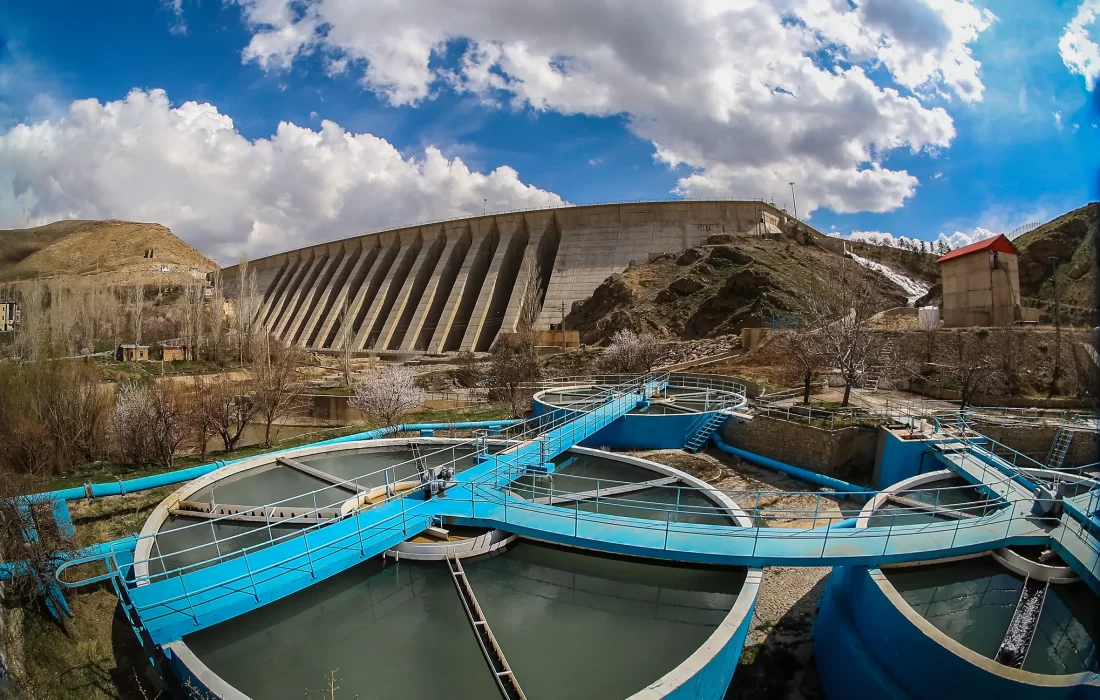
794 202
484 206
562 325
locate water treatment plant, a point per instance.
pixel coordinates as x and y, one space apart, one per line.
542 558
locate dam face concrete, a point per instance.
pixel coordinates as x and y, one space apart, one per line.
456 285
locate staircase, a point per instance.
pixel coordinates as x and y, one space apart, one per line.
697 440
873 374
1058 449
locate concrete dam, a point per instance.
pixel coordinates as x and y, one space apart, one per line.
454 285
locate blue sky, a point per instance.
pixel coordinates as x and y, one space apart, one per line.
1023 147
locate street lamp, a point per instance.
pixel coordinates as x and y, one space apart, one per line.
793 200
484 206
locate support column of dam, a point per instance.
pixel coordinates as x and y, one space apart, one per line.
353 253
348 291
294 304
464 291
430 309
371 327
279 310
334 254
367 293
400 314
271 273
545 239
499 280
279 285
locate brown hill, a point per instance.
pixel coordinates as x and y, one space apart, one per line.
114 250
1068 244
715 289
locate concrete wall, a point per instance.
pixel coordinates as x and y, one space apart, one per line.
1035 441
975 293
455 285
845 453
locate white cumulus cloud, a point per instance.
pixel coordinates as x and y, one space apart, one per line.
749 95
188 167
1079 52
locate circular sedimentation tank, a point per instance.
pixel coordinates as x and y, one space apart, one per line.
1009 623
571 623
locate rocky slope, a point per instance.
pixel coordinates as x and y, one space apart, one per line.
715 289
113 250
1067 243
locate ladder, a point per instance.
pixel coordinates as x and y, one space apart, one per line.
421 463
1059 447
697 440
494 656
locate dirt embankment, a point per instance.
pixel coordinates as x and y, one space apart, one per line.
715 289
112 252
1066 248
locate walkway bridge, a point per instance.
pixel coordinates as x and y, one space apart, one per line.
171 601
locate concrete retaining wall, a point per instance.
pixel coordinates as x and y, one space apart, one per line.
845 453
455 285
1035 441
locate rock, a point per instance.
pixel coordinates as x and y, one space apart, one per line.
689 257
684 286
728 254
719 238
665 296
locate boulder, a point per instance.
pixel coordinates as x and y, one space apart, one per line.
690 257
684 286
724 254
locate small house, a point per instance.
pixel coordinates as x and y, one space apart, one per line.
981 285
9 316
132 353
172 353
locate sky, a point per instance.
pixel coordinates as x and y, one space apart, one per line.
263 125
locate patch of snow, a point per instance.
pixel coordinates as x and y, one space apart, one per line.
914 289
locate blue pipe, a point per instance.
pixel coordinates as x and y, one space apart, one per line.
119 488
797 472
846 523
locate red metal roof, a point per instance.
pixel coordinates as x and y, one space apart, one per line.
998 243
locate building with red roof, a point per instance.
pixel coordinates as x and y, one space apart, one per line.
981 285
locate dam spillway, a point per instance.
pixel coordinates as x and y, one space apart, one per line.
455 285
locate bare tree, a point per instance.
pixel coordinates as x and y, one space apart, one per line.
131 422
34 327
33 540
630 353
387 393
804 356
138 311
217 319
970 364
513 359
248 299
229 408
279 383
839 310
344 341
150 422
193 321
199 424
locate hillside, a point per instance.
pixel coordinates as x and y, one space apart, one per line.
113 250
1069 240
714 289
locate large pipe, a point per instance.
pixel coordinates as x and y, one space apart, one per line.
797 472
119 488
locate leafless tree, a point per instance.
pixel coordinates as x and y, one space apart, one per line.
279 383
344 341
150 422
630 353
217 317
970 363
513 359
34 328
839 310
199 424
229 408
131 422
193 317
138 311
387 393
248 299
804 356
33 540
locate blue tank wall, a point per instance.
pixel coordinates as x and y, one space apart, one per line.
712 682
639 431
867 648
